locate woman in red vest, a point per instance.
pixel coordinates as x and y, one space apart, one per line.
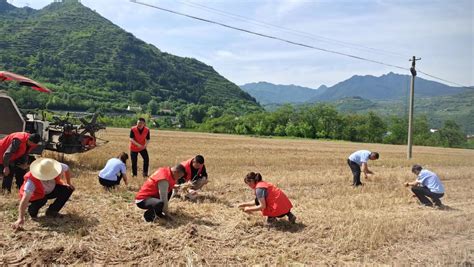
43 182
270 200
139 139
156 191
14 150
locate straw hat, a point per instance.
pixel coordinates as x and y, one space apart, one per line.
45 169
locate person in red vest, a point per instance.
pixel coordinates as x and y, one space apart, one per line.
156 191
270 200
139 139
14 150
43 182
195 173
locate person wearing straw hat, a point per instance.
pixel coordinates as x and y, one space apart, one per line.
43 182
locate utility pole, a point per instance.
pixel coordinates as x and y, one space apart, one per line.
410 110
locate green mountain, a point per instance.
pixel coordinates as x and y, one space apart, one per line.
389 86
91 63
268 93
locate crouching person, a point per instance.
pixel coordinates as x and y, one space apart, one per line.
270 200
156 191
114 171
427 184
41 183
196 174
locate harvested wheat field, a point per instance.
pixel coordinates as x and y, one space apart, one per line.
337 224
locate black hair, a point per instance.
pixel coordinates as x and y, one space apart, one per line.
253 177
141 119
375 154
180 168
416 168
35 138
123 157
199 159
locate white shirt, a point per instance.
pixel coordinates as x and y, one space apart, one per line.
112 169
361 156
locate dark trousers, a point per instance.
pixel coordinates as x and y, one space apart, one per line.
110 184
146 160
279 216
355 168
422 193
16 172
61 193
153 203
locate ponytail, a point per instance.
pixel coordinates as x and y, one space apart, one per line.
253 177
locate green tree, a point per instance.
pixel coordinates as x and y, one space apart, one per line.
153 107
141 97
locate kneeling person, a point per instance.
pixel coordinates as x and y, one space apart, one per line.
156 191
114 171
43 182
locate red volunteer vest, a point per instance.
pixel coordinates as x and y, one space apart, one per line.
150 187
7 141
187 166
39 189
139 138
277 202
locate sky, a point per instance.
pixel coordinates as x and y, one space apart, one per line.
439 32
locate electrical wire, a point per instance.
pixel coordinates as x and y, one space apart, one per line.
270 36
293 31
444 80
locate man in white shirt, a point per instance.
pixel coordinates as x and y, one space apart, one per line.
360 159
427 184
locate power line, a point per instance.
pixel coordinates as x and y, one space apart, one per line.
269 36
293 31
444 80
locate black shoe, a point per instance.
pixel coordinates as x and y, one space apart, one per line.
149 215
291 218
53 214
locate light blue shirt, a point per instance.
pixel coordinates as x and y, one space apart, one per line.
112 169
431 181
359 157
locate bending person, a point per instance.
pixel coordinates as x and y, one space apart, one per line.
270 200
114 171
156 191
14 150
195 173
43 182
360 159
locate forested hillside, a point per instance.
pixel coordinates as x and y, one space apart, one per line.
92 64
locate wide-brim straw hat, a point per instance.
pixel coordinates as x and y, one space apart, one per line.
45 169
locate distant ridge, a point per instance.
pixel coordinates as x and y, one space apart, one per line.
389 86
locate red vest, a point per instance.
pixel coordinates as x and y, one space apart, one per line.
7 141
187 166
150 187
139 138
39 189
277 202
